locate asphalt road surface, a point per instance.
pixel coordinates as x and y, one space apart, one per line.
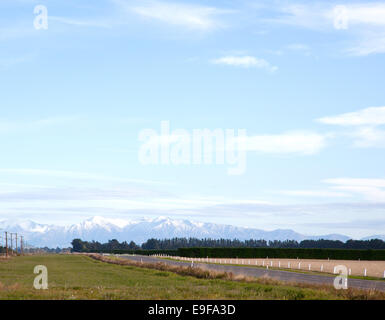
285 276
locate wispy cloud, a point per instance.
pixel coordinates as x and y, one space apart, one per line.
366 137
371 189
373 183
245 62
98 23
365 21
315 193
74 175
190 16
17 31
365 123
13 126
299 47
368 116
371 43
361 13
305 143
7 62
331 16
313 16
299 142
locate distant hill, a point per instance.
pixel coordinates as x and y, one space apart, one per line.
378 236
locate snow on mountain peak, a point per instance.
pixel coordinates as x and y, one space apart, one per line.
101 222
103 229
22 225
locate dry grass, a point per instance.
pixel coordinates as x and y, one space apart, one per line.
199 273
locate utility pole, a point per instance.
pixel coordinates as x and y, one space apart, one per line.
6 244
16 242
11 242
21 245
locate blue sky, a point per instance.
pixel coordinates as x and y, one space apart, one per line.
304 79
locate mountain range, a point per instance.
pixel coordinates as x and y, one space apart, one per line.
103 229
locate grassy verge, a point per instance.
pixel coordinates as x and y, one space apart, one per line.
81 277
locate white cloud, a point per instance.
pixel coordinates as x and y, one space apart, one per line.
306 143
245 62
195 17
368 116
370 189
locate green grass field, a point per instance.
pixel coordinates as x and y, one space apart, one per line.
80 277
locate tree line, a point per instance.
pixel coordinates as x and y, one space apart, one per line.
176 243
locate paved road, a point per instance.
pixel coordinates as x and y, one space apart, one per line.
280 275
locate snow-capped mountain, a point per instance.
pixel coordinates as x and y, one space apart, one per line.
102 229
